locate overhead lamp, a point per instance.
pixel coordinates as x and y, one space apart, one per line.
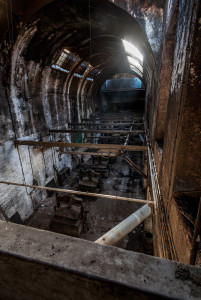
132 50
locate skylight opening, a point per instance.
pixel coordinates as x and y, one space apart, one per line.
132 50
61 59
134 56
133 62
67 55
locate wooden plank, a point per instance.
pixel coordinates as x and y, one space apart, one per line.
77 192
80 145
95 131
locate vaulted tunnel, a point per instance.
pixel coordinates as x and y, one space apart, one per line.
91 35
100 147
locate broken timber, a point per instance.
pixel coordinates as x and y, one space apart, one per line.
80 145
78 192
95 130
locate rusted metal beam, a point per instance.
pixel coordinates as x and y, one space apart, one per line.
77 192
95 131
80 145
134 166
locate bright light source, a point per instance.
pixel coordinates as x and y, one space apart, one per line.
132 50
134 62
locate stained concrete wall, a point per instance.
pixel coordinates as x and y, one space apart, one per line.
48 108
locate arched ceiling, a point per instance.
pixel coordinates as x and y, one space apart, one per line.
92 33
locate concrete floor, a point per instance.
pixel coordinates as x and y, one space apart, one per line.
103 214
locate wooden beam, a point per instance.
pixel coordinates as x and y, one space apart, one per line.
109 154
104 124
77 192
134 166
95 131
121 120
118 119
80 145
106 137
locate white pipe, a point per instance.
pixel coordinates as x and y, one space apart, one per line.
122 229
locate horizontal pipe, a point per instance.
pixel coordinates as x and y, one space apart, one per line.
117 233
80 145
95 131
77 192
